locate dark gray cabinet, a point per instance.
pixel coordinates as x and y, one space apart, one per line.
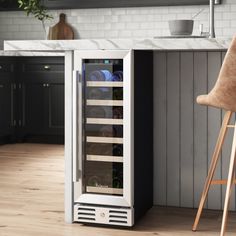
7 94
71 4
32 99
42 99
55 108
8 5
33 108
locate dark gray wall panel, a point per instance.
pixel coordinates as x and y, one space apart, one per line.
186 129
200 125
185 133
214 123
173 129
160 128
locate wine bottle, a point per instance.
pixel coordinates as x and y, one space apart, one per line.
96 75
117 113
117 173
95 93
118 94
117 76
94 181
96 112
117 150
108 131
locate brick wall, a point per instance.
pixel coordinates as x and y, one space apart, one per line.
120 22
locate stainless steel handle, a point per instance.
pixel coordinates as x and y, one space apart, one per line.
77 126
44 85
47 67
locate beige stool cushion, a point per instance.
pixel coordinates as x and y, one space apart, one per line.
223 95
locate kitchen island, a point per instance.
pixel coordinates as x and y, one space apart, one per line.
184 133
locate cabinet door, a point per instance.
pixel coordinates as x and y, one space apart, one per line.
33 108
102 125
72 4
8 5
60 4
42 97
55 108
7 94
6 106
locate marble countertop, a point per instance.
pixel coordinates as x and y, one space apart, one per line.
29 53
122 44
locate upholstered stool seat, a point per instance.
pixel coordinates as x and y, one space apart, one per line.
222 96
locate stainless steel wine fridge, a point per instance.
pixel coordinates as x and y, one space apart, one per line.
112 137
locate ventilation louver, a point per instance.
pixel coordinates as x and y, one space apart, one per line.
103 215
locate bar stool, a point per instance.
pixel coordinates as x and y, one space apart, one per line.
222 96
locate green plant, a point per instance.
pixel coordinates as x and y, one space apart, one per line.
35 8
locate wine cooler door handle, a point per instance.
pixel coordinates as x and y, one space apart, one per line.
77 125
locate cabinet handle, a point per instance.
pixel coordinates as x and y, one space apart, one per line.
47 67
44 85
77 124
48 85
1 67
1 85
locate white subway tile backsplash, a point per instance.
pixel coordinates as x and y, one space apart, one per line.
111 19
118 11
118 26
233 8
125 18
132 25
139 18
223 23
97 19
147 25
111 34
120 22
105 26
124 34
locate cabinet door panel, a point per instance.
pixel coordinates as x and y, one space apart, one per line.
56 108
6 99
33 108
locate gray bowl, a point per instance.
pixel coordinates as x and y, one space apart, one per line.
181 27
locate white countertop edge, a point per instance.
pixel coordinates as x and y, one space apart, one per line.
115 44
13 53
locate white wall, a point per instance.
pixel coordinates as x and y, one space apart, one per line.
119 22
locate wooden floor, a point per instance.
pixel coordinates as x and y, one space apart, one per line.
31 201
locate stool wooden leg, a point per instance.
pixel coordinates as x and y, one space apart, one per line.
230 183
212 168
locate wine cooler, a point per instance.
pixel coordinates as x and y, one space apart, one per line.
112 136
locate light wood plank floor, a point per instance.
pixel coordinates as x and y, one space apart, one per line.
31 201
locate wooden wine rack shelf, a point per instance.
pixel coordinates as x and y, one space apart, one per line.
104 158
104 84
118 191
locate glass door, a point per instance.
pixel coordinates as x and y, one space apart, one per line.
103 126
102 138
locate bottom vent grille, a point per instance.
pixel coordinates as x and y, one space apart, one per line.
117 216
103 215
86 213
